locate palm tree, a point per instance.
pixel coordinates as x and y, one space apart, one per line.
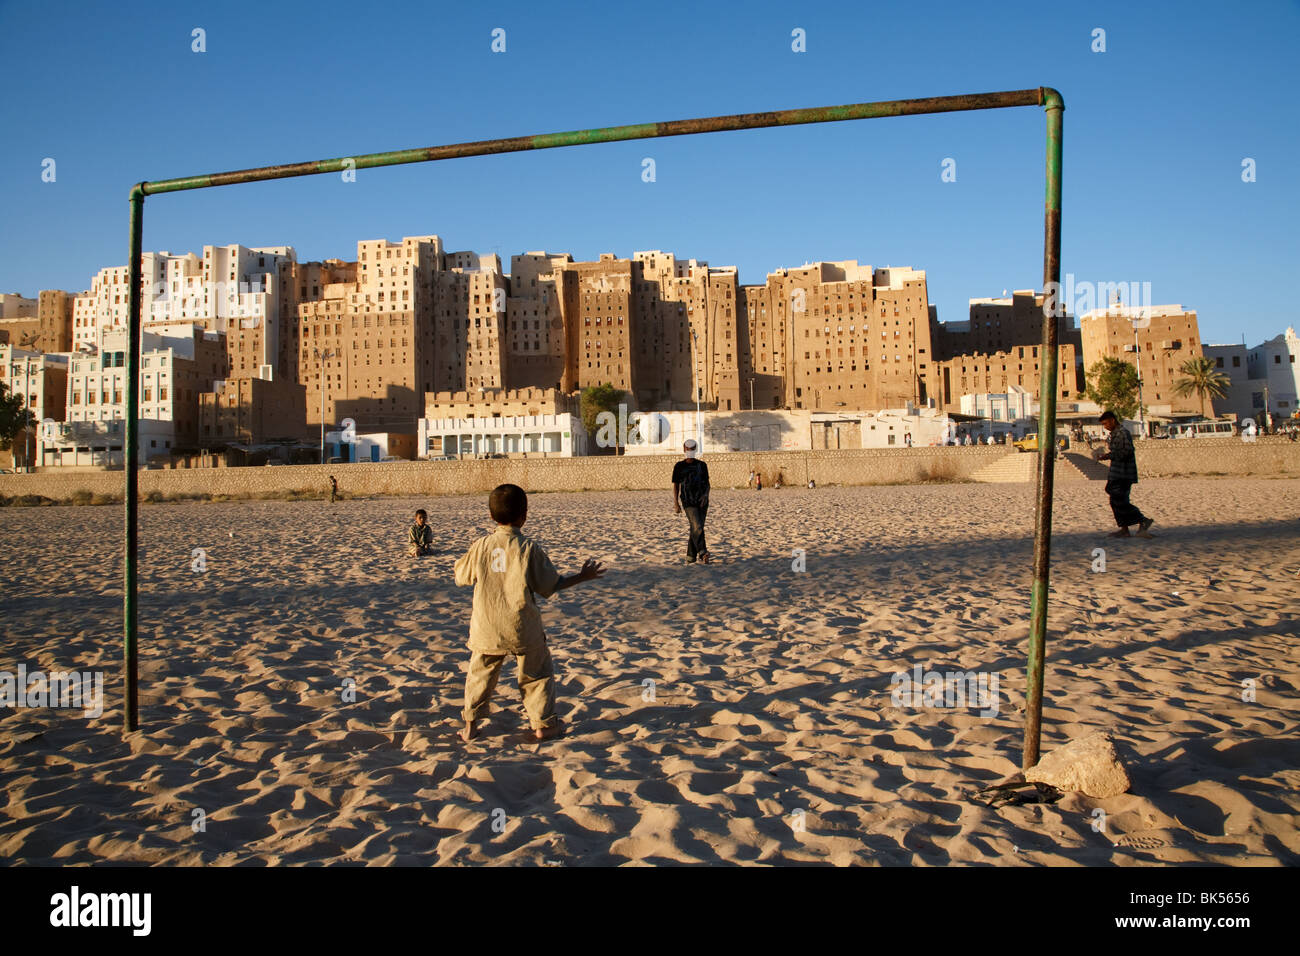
1201 380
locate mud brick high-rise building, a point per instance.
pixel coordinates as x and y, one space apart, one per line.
998 346
306 284
367 347
856 337
671 296
536 343
602 333
370 339
237 291
1164 336
44 323
761 357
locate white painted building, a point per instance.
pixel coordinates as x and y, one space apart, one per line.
783 430
1245 397
98 444
230 288
891 427
34 375
177 361
1274 364
554 436
41 380
663 433
353 447
1013 405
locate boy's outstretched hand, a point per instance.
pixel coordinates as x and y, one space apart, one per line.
591 569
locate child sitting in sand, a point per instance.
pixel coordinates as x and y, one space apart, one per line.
507 569
419 540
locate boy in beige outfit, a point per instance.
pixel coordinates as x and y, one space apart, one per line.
507 569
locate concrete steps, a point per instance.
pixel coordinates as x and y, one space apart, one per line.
1023 466
1092 470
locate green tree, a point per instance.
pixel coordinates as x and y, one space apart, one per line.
596 399
14 417
1113 384
1201 379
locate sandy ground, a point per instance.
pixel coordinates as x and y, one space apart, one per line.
770 735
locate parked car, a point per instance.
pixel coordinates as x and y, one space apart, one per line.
1030 443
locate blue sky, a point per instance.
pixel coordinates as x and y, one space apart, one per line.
1156 129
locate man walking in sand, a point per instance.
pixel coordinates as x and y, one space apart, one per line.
691 494
1121 479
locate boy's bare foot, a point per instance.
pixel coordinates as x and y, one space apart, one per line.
1144 528
548 733
468 731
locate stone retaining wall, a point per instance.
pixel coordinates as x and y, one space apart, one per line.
1266 455
1201 456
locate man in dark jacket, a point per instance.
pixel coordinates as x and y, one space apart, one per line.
691 494
1121 479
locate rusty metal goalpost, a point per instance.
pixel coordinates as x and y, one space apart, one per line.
1046 97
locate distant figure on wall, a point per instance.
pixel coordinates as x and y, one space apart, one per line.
691 494
334 489
907 439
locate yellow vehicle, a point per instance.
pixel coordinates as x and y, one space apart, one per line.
1030 443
